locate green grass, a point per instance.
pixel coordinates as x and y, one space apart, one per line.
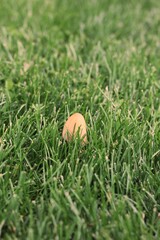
100 58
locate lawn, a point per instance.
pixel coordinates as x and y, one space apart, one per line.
100 58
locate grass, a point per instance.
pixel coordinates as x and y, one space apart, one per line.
99 58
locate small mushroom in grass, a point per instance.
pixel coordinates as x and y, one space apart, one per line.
75 125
